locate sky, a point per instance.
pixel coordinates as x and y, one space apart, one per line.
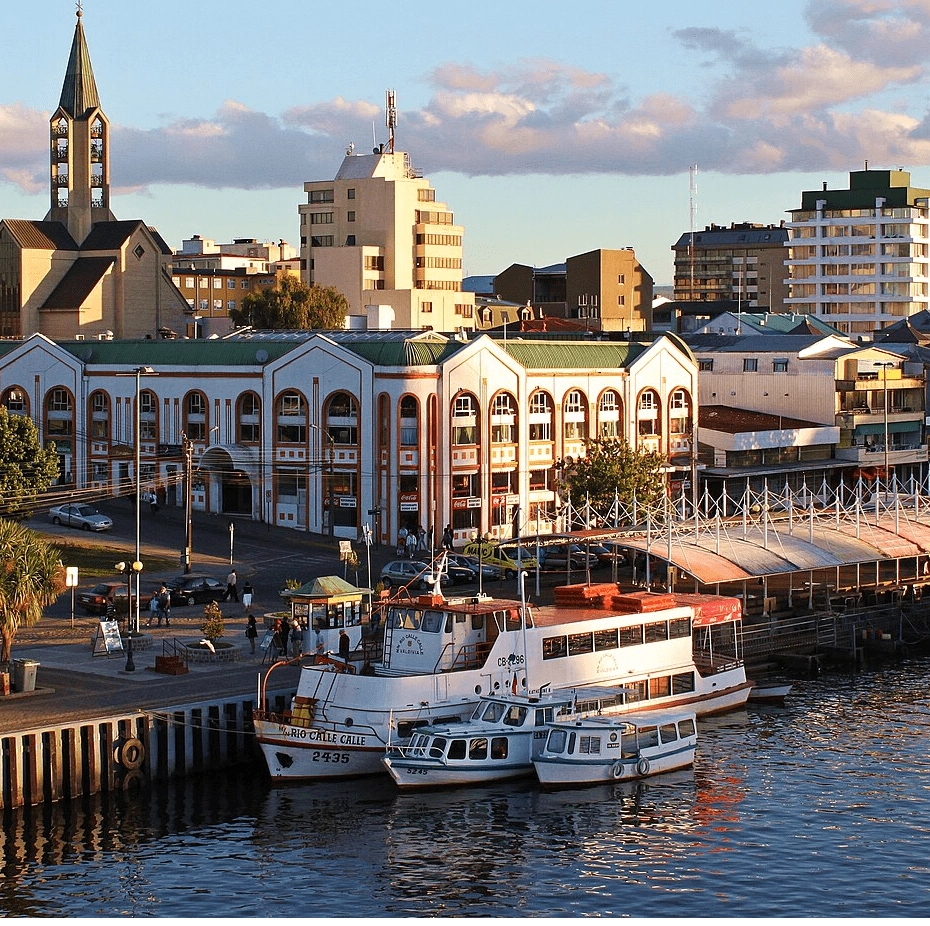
550 129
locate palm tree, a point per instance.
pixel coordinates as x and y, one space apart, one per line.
31 578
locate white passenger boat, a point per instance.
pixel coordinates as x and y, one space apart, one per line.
441 655
594 750
497 743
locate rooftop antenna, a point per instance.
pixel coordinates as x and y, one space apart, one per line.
692 186
390 119
374 138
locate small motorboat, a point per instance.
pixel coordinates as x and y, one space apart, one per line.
769 693
598 749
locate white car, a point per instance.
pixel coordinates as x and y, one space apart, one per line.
86 517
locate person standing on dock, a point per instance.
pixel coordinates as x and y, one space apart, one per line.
251 631
247 592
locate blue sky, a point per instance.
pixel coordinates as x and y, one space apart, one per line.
549 128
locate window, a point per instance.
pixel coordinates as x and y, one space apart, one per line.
195 416
350 241
100 416
322 196
426 306
705 366
780 366
503 419
321 241
574 415
342 419
139 251
750 365
230 284
292 419
231 305
321 218
608 415
540 416
249 418
15 401
350 216
409 422
350 193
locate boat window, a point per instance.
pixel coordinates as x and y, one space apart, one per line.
512 619
630 636
432 621
494 711
628 741
499 747
516 714
680 627
682 682
589 745
448 623
554 647
438 748
648 736
579 643
556 741
457 749
571 743
668 733
477 622
605 639
686 728
660 687
656 631
407 619
543 716
478 748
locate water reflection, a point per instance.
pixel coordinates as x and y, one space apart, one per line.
817 808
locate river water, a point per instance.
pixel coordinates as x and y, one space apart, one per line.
819 808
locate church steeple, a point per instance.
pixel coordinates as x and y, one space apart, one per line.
80 147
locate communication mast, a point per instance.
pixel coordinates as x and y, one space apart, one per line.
390 119
692 184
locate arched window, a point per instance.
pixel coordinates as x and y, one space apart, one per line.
195 416
59 414
575 416
409 421
503 419
464 420
292 418
99 416
540 416
342 419
16 401
148 416
679 412
609 415
249 419
649 416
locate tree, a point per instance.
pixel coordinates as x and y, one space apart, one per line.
292 305
31 578
25 468
612 468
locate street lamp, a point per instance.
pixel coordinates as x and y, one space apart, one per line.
884 364
128 569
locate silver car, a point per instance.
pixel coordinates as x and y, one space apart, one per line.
86 517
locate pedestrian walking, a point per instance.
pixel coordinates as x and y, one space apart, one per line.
344 646
411 545
422 544
164 605
297 638
251 631
448 539
247 592
232 590
402 541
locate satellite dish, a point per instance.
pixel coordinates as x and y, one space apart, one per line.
261 355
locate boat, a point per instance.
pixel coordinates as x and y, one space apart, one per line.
499 742
769 693
438 656
598 749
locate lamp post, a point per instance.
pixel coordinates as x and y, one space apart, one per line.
188 449
128 569
328 468
884 364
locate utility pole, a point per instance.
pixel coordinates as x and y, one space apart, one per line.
188 449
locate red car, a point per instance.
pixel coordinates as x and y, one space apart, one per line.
99 598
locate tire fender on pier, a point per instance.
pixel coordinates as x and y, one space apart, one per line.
130 754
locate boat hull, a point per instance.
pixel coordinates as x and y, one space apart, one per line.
557 773
418 775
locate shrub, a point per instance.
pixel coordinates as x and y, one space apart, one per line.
212 627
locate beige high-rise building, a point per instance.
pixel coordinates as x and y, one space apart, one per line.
378 235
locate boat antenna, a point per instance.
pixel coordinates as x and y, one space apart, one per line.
526 653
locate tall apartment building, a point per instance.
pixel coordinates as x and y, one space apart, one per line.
607 289
743 264
859 257
377 234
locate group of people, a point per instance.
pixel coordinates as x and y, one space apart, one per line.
412 543
160 607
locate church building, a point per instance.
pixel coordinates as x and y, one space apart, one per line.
81 273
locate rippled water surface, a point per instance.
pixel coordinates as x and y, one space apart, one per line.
820 808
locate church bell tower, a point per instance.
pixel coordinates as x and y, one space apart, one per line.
80 148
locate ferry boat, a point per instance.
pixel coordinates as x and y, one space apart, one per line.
497 743
599 749
439 656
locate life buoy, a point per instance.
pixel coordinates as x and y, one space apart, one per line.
617 770
131 754
642 767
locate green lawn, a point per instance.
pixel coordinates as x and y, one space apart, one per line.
95 561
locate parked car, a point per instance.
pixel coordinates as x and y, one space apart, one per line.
489 572
102 595
410 572
557 557
86 517
195 589
459 574
504 556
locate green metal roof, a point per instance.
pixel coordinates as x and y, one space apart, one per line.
573 355
184 353
408 353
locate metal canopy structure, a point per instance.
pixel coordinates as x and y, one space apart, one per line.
773 534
